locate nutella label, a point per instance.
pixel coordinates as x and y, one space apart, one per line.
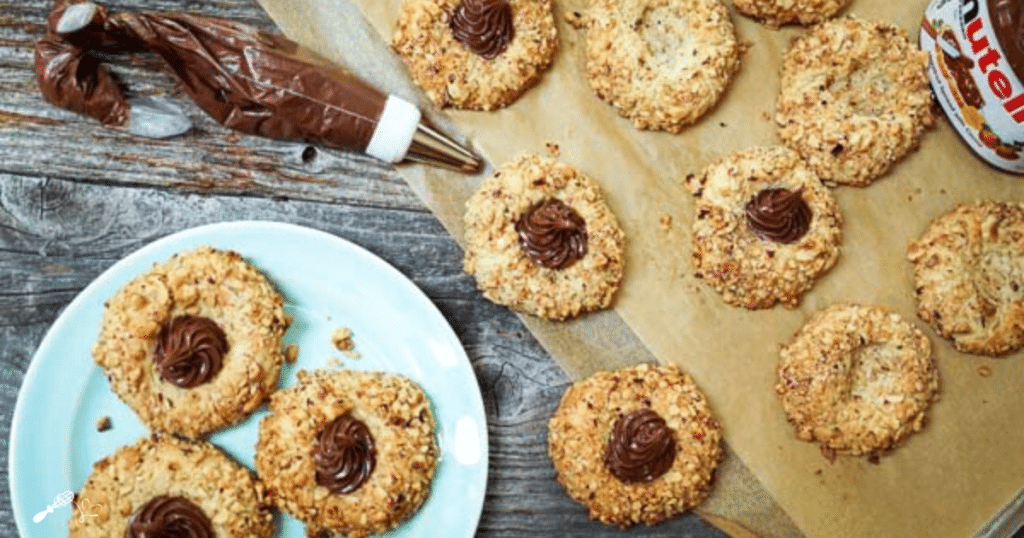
977 57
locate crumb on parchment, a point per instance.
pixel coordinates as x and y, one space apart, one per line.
291 353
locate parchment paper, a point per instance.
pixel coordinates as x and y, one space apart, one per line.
945 481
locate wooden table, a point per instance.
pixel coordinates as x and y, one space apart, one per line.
76 197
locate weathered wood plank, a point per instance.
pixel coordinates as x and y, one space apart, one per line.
35 135
56 236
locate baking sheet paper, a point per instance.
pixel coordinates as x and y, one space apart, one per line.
945 481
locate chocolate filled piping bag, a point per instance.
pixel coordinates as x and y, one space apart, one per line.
252 81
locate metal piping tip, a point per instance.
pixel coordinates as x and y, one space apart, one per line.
429 146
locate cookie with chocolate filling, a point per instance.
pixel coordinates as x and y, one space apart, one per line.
857 380
193 344
636 445
765 228
540 239
854 99
166 486
661 63
775 13
348 453
476 54
969 276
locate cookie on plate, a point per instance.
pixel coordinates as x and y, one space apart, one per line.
165 486
766 228
348 453
854 99
193 344
661 63
540 239
775 13
857 380
636 445
969 276
476 54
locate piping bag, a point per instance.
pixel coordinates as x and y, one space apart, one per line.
246 79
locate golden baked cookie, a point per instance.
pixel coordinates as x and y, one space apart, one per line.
854 99
765 228
661 63
857 380
540 239
348 453
165 486
775 13
636 445
476 54
193 344
969 276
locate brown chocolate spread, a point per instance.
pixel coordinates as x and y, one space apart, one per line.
167 515
779 215
344 455
483 26
552 234
641 447
248 80
960 68
1008 23
190 351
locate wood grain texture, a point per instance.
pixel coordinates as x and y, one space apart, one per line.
75 197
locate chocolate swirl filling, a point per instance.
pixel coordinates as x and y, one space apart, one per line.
552 234
166 516
344 455
190 351
779 215
483 26
641 447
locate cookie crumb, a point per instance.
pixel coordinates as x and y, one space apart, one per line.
335 362
104 424
984 371
553 149
291 353
575 19
665 221
342 339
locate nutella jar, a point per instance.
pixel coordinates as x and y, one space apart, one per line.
976 70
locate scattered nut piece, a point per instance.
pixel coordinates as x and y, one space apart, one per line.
104 424
342 339
576 19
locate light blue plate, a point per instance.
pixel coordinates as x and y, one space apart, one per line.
327 283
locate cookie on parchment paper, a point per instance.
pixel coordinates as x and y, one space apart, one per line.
165 486
661 63
636 445
854 99
857 380
765 228
193 344
541 239
347 452
775 13
476 54
969 276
